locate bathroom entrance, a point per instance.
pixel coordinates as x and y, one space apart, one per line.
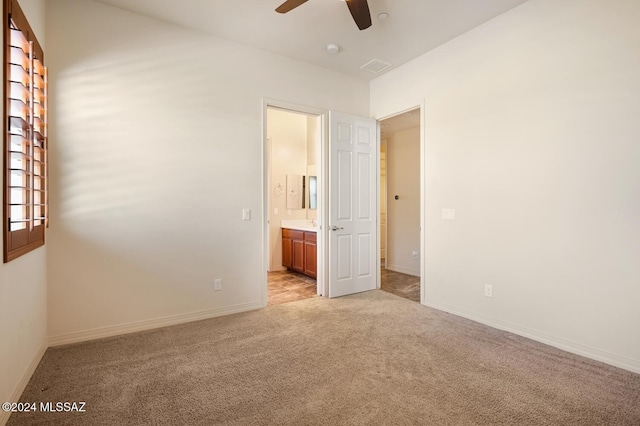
292 157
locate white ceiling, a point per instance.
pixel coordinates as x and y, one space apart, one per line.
412 28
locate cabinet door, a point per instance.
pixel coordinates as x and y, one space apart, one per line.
310 259
287 253
298 255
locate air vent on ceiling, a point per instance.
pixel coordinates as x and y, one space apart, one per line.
376 66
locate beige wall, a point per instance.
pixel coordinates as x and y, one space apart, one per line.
314 140
23 289
403 215
157 135
531 126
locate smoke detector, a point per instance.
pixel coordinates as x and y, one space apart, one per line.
333 48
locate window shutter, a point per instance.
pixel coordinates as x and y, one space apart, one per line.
25 155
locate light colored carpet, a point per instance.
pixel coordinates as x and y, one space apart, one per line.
367 359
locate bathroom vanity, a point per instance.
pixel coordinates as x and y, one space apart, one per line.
299 250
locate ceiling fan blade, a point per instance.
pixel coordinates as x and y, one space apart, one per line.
360 11
289 5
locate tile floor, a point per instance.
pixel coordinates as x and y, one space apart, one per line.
288 286
402 285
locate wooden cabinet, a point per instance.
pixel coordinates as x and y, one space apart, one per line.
310 259
298 256
287 252
293 249
299 251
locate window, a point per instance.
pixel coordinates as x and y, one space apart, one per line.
25 136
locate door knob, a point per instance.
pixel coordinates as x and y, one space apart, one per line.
336 228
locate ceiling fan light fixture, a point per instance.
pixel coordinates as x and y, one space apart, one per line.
359 10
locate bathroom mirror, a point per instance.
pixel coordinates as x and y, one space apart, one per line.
295 192
313 192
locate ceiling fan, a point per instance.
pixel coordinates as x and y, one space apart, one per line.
359 10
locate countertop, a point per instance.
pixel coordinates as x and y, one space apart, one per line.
299 225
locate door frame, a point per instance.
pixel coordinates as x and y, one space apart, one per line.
386 206
323 169
423 194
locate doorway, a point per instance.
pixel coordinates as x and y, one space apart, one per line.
292 174
347 236
400 205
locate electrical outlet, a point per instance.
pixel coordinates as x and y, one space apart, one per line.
414 255
217 284
488 290
246 214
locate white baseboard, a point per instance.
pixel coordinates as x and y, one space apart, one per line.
132 327
558 342
403 270
31 368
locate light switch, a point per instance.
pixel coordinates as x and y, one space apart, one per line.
448 214
275 211
246 214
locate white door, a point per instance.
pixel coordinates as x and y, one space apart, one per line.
352 204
